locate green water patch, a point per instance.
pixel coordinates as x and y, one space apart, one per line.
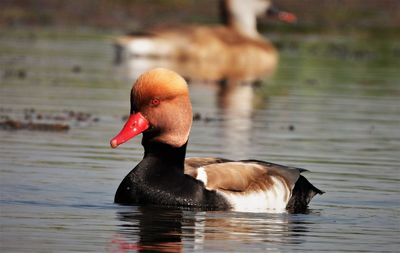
316 64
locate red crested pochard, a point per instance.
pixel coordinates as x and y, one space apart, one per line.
237 42
162 111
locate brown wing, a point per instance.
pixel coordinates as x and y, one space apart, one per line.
289 174
241 176
193 163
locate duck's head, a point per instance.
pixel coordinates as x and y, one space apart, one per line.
160 109
242 14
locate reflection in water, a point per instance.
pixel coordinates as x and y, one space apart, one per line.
156 229
153 228
235 101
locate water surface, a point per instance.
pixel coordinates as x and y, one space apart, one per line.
333 107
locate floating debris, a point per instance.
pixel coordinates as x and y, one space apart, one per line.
32 119
76 69
18 125
206 119
311 81
11 73
196 116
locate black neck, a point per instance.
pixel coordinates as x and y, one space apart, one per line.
166 154
224 14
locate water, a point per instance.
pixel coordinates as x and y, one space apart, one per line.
333 108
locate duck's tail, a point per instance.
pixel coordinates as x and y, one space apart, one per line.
302 194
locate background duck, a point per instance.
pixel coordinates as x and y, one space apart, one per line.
235 43
161 110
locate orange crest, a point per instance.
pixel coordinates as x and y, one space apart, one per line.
158 84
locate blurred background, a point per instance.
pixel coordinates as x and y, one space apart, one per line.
313 15
330 106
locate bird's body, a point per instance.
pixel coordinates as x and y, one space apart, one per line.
234 44
161 110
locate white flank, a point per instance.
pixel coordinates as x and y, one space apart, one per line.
272 200
202 175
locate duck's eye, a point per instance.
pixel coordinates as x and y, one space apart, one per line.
155 101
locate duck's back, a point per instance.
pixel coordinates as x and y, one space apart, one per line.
217 45
251 185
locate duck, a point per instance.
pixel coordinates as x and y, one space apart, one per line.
236 42
161 111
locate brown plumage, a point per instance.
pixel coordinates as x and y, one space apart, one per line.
235 49
241 177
